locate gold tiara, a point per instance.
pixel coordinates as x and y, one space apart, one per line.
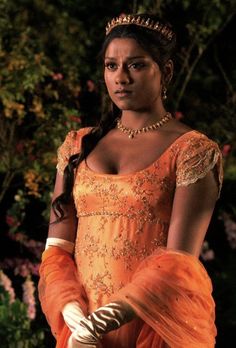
142 22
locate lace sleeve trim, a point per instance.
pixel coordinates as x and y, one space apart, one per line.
200 167
69 147
64 152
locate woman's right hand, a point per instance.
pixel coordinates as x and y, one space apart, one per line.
84 335
73 343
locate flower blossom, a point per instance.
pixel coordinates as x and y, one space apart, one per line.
20 147
207 254
12 221
226 150
57 76
22 267
6 283
230 229
28 297
178 115
75 118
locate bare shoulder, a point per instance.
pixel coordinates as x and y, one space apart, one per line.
177 127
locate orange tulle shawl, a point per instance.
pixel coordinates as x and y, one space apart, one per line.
171 292
58 285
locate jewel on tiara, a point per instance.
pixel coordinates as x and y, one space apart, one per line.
142 22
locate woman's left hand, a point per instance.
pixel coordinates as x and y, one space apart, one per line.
73 343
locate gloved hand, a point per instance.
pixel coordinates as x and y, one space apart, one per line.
85 334
111 317
103 320
83 339
72 314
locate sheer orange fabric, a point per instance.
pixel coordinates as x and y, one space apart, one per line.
59 284
120 244
171 292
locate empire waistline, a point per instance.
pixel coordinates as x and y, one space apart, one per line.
148 217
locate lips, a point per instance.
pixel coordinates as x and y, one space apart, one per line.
123 92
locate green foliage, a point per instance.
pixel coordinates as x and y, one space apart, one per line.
39 69
15 326
46 49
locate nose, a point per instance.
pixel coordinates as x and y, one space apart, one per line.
122 76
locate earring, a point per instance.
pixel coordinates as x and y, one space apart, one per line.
164 93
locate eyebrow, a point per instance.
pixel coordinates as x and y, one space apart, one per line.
128 58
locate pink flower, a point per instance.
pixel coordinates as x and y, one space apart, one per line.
178 115
28 297
32 157
19 147
207 254
23 270
19 236
22 267
226 150
75 118
91 85
11 221
7 285
57 76
230 229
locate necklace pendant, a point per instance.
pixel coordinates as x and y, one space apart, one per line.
132 132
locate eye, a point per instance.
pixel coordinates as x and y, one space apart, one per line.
137 65
110 66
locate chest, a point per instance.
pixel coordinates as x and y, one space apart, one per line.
121 155
147 193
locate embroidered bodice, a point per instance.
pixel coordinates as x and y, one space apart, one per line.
124 218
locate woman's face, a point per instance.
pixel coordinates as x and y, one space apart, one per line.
132 77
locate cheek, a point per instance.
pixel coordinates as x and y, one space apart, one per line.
153 84
150 89
107 79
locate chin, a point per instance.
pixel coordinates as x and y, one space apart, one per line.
127 106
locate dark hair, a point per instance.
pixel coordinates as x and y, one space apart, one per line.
161 49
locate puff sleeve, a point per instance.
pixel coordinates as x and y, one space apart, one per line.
69 147
197 157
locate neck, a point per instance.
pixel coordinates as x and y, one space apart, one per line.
136 120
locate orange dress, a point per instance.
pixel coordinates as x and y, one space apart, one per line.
120 246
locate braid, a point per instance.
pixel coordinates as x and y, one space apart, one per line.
88 143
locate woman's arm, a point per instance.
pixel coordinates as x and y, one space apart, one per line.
66 229
192 210
62 233
61 294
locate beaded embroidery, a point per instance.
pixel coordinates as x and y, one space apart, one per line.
124 218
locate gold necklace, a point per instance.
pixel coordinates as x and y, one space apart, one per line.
132 132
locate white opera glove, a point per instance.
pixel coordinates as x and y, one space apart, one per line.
86 340
72 314
105 319
85 335
61 243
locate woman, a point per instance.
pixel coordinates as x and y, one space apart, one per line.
135 196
